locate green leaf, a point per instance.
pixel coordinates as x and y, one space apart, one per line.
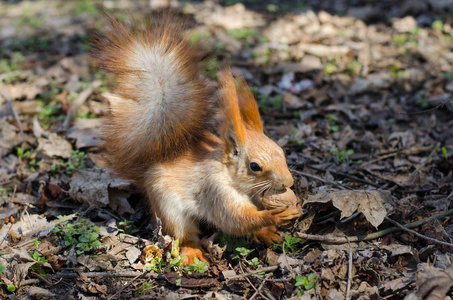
299 280
178 282
311 277
11 287
95 244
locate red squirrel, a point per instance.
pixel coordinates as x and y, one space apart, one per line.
199 153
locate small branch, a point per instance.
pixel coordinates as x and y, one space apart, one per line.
265 269
44 279
246 278
355 178
125 286
428 159
83 96
260 287
418 234
348 288
319 179
7 235
70 275
15 114
371 236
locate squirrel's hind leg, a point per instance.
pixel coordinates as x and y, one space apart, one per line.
177 218
269 235
191 249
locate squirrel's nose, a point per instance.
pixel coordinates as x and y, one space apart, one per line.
288 182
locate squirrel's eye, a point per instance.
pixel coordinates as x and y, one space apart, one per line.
255 167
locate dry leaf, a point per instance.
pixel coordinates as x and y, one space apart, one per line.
9 137
370 203
434 283
54 145
91 187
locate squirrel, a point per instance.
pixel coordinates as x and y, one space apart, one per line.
198 152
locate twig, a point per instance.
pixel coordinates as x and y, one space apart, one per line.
378 159
260 287
430 156
83 96
418 234
371 236
33 281
441 104
6 235
347 176
273 280
43 278
70 275
320 179
125 286
348 287
286 259
268 294
246 278
265 269
15 114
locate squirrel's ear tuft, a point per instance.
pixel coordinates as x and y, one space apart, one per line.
233 123
247 105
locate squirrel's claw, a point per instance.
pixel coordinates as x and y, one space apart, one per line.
285 213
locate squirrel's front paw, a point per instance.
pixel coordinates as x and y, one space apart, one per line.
285 213
189 252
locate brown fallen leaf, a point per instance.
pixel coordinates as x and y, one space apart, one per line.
434 283
370 203
54 145
92 186
9 137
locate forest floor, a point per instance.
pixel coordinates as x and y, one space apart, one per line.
357 94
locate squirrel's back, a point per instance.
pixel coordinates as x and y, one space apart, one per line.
160 105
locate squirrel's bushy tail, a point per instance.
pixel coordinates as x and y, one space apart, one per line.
160 106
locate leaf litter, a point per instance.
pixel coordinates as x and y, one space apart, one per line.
358 95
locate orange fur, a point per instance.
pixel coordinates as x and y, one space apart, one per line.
160 59
232 105
187 146
249 108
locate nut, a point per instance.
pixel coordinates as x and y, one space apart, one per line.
273 199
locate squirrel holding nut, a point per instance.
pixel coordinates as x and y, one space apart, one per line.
198 152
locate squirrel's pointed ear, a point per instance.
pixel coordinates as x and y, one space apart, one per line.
233 128
247 104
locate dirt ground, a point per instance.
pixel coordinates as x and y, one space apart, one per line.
358 93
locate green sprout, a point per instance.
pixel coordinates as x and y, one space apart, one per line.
156 265
341 156
196 267
146 286
37 268
241 251
83 235
290 244
307 283
444 152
